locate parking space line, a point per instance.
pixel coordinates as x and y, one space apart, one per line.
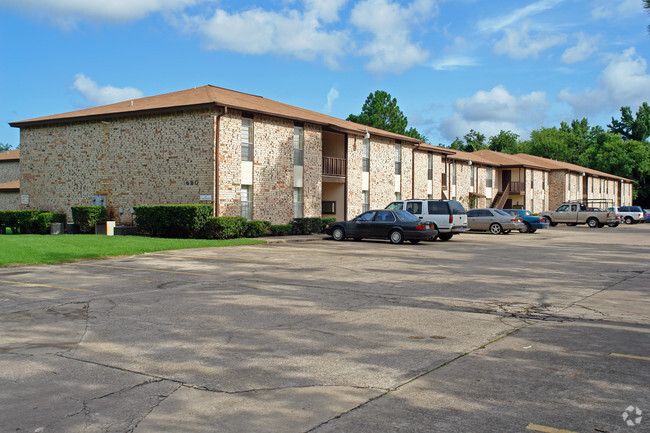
143 269
49 286
545 429
622 355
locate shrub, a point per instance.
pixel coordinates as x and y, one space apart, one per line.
87 216
173 220
281 229
223 227
256 228
40 224
306 226
59 218
326 221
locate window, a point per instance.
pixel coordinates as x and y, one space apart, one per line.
246 139
329 207
298 145
488 180
532 179
453 173
430 166
569 181
385 216
367 216
398 158
396 206
297 203
365 201
247 202
398 195
365 155
471 175
415 207
543 181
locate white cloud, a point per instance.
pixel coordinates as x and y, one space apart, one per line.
94 94
623 82
491 25
257 31
332 96
606 9
452 63
391 48
67 12
492 111
325 10
584 48
518 44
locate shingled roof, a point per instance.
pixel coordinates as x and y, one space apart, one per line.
10 155
212 96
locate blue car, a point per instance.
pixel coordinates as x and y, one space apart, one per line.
646 213
531 223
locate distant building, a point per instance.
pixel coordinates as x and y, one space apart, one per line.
263 159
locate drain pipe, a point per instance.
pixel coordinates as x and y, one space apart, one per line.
215 163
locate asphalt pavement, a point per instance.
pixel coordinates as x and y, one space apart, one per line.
543 332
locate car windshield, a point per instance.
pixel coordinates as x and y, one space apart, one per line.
406 216
500 212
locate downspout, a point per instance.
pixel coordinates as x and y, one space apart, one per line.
215 164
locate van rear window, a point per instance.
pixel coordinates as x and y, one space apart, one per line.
456 208
438 208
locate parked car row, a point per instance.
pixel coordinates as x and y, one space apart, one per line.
417 220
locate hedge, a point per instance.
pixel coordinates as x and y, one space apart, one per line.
173 220
224 227
281 229
29 221
87 216
256 228
306 226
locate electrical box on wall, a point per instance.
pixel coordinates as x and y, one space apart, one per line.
99 200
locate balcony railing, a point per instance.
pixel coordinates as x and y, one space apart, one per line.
333 166
517 187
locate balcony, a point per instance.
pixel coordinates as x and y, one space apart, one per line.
334 169
517 188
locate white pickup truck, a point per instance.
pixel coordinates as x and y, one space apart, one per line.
573 213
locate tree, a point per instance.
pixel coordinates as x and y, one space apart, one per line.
473 141
646 4
633 128
505 142
381 111
4 147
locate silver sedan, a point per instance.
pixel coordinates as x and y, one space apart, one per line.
495 221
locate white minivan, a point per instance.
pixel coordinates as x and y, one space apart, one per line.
449 216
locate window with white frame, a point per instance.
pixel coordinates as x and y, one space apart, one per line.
297 202
247 202
471 175
398 195
430 166
246 139
398 158
488 177
365 200
365 155
298 145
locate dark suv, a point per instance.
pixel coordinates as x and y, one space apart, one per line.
449 216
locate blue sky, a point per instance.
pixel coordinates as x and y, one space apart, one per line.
453 65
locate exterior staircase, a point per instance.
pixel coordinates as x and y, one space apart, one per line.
501 198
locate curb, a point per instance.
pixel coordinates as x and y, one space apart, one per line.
292 239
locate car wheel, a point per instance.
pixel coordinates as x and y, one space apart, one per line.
526 228
433 238
496 229
445 236
415 241
338 234
613 224
628 220
550 222
592 222
396 237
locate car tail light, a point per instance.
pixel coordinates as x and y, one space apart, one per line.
514 220
451 219
421 227
541 220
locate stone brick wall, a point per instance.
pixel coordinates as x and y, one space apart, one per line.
273 169
229 189
556 189
407 172
153 159
355 167
9 200
420 179
382 172
9 171
313 174
537 195
463 183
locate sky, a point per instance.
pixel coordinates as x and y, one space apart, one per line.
452 65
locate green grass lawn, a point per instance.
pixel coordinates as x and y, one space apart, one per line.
46 249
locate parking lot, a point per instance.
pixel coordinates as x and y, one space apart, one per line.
544 332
